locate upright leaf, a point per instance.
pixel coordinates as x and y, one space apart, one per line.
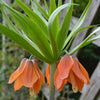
79 23
52 6
59 3
50 28
55 26
41 10
46 5
62 34
35 10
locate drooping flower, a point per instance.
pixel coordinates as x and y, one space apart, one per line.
29 75
48 74
69 69
62 71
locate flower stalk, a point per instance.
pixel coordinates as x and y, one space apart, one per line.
52 87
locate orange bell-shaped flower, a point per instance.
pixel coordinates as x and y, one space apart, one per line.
69 69
62 71
29 75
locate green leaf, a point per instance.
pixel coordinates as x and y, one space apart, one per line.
50 28
85 42
46 5
59 3
32 30
23 42
9 23
35 10
41 10
39 21
93 39
55 13
62 34
79 23
84 28
78 31
55 25
52 6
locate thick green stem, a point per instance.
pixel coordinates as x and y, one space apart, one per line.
52 87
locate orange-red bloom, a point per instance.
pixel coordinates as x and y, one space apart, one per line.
48 74
69 69
29 75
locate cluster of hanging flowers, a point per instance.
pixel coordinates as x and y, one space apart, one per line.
68 69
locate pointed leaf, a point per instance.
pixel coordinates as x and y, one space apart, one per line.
41 10
78 31
61 37
84 43
59 3
39 21
79 23
93 39
23 42
46 5
9 23
52 6
50 28
32 30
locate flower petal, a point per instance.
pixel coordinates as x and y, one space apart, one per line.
84 73
79 71
41 76
18 84
80 84
59 83
37 86
29 76
65 66
42 79
18 72
48 74
62 85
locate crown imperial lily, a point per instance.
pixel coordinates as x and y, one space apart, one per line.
29 75
42 36
70 69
